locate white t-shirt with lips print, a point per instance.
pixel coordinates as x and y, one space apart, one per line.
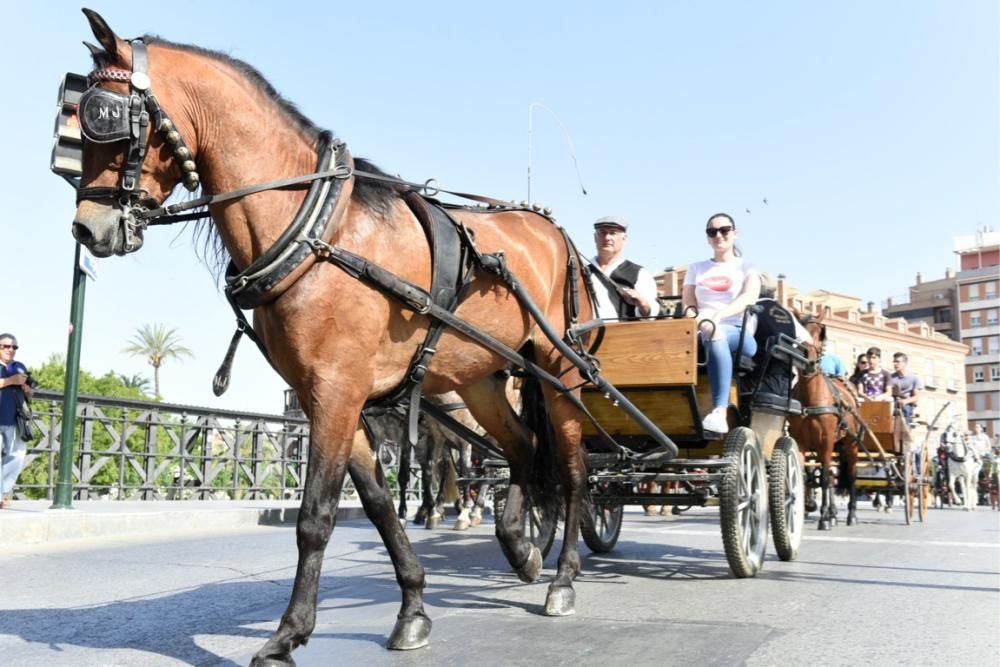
717 284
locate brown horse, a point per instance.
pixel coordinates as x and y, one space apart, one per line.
337 341
830 423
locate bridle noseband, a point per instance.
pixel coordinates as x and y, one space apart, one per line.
107 117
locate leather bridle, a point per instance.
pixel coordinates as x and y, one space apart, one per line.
106 117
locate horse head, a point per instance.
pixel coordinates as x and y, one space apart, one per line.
816 327
134 153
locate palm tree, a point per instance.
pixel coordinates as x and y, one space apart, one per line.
136 381
157 344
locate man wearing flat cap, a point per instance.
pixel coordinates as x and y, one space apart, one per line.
624 289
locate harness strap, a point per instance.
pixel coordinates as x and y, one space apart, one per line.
447 262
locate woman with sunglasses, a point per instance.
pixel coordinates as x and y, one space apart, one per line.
13 380
721 288
860 368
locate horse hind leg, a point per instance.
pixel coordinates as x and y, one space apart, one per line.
565 419
487 402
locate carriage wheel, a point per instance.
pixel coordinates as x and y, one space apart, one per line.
786 498
539 519
601 525
908 485
743 503
925 483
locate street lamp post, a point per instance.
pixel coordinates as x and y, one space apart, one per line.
569 141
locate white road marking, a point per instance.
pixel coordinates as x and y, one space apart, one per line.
825 538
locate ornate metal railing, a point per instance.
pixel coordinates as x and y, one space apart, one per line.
142 450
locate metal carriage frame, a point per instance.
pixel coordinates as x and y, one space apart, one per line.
753 474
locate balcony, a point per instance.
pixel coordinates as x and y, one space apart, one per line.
952 386
932 382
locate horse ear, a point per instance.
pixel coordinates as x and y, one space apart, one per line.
106 37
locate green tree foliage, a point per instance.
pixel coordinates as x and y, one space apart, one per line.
157 344
136 381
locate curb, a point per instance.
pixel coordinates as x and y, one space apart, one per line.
32 522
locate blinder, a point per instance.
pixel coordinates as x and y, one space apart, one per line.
104 116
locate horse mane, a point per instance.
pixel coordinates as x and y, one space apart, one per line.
376 196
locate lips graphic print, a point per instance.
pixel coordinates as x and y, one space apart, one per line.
717 283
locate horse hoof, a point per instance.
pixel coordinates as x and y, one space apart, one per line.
825 525
462 524
433 522
532 567
561 601
851 519
410 633
283 660
475 519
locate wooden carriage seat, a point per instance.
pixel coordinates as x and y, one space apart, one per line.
880 420
655 364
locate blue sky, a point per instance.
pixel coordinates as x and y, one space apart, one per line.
870 127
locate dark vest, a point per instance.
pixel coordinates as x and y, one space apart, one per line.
626 275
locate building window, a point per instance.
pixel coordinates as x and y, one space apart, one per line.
975 319
979 402
942 315
977 374
977 346
994 373
991 317
991 290
973 292
994 344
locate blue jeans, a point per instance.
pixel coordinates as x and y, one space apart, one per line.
12 459
720 361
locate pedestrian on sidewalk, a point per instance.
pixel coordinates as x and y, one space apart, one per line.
14 389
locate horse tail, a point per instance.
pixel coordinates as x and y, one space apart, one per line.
545 479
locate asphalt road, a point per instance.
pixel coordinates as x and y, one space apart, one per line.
878 593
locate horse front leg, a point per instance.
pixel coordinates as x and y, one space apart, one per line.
331 438
826 517
403 478
413 626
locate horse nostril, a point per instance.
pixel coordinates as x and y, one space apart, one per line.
82 233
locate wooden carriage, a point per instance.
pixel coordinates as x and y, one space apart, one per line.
654 363
885 462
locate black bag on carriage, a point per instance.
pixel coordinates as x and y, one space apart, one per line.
772 374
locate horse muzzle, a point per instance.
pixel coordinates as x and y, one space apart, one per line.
108 230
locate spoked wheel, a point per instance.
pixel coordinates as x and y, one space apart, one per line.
924 479
908 486
539 519
786 498
601 525
743 503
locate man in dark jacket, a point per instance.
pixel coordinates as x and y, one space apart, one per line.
624 289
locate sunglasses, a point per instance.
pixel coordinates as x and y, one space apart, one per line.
714 231
8 347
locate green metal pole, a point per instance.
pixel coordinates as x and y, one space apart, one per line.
64 484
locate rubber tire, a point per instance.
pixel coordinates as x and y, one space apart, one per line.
601 526
925 484
743 499
786 498
907 487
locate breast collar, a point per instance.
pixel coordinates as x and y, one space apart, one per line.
258 283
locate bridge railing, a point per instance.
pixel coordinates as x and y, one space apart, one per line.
143 450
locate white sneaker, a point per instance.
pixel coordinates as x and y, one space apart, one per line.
716 421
